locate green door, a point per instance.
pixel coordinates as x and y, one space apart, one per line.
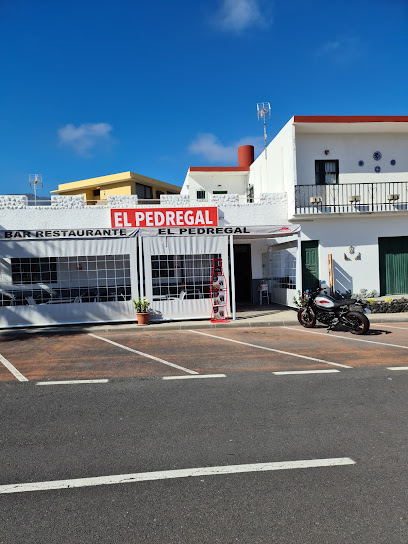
310 265
393 265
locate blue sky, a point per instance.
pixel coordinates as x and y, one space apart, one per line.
91 88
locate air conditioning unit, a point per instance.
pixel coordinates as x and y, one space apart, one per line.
315 199
393 197
354 198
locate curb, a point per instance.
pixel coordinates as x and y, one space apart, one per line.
178 326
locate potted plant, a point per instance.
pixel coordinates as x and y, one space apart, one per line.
142 311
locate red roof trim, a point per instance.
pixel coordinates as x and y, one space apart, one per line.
219 169
351 118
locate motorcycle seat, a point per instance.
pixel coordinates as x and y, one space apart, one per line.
344 302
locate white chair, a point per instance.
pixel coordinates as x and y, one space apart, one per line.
31 301
182 295
263 293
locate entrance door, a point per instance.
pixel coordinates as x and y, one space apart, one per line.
243 273
310 265
393 265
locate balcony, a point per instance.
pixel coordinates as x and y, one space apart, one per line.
351 198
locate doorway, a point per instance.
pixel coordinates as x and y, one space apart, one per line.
393 265
310 265
243 273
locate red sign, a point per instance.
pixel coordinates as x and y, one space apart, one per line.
165 217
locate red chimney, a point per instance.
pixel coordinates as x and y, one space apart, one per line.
245 156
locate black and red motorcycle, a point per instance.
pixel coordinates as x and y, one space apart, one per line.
318 306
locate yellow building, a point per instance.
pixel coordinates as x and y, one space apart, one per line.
97 190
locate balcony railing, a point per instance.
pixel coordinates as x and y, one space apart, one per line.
351 198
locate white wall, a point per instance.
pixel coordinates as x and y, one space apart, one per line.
256 214
232 182
47 218
280 164
335 236
349 149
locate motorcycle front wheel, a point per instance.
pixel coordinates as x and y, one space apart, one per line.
357 323
306 318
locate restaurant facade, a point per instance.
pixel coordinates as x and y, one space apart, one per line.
70 263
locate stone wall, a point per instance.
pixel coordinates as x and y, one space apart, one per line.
174 200
69 202
224 200
122 201
13 202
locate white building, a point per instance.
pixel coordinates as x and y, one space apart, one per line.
327 190
344 180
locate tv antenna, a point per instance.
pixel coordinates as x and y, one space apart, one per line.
264 112
35 181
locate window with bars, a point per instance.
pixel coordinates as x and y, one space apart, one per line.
182 276
284 268
200 195
57 280
250 194
326 172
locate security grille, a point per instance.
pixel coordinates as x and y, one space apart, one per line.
181 276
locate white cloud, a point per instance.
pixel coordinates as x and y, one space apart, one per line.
342 50
212 150
238 15
84 138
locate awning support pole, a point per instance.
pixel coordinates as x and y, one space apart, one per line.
141 276
233 305
299 265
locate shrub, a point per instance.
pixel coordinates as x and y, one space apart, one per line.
141 306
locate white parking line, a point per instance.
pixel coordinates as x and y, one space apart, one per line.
271 349
394 327
397 367
13 370
144 354
170 474
347 338
280 373
198 376
69 382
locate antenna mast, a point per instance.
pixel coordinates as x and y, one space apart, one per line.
264 112
35 181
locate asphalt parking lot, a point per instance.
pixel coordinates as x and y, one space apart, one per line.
154 456
162 353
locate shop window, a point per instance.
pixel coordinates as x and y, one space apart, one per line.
144 191
62 280
326 172
181 276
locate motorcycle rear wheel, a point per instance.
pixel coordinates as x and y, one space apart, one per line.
306 318
359 321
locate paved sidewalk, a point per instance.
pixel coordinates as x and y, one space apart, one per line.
255 316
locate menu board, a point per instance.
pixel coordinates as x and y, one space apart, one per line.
218 289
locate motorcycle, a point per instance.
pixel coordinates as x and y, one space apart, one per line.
321 307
